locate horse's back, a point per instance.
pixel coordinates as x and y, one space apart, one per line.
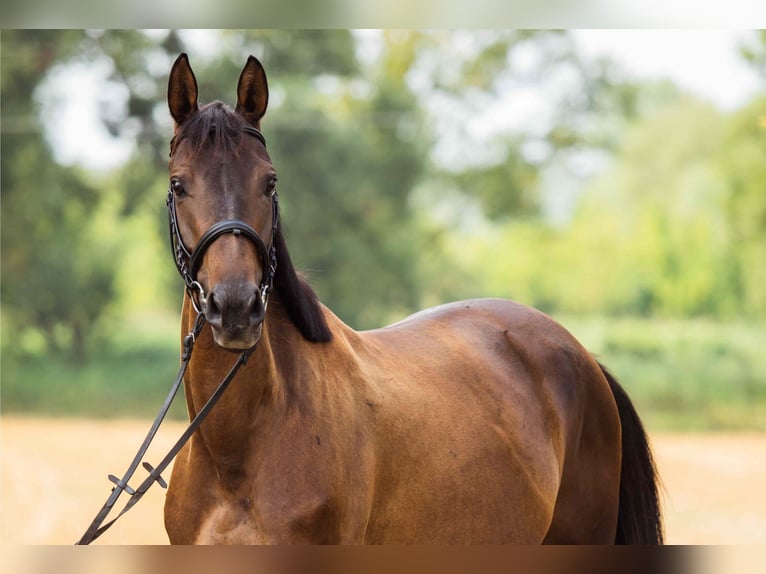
480 414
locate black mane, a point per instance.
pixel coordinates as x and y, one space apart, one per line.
297 297
217 125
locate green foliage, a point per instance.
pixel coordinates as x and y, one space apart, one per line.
57 271
676 227
508 188
742 162
684 374
657 216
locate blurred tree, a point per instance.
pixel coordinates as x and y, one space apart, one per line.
753 50
676 226
650 235
743 165
55 277
567 107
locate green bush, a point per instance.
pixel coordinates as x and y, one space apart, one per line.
684 374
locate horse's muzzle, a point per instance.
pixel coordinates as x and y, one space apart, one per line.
236 312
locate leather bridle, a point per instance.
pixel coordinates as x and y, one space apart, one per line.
188 264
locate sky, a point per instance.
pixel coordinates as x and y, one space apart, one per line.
704 62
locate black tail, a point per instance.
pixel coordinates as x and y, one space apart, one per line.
639 520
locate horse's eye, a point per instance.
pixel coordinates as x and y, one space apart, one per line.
271 189
178 188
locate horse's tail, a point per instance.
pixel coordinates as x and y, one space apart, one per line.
639 520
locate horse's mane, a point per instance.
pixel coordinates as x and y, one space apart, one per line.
297 297
218 126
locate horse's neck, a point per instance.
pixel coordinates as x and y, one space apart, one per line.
270 383
226 432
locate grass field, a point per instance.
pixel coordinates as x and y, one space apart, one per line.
127 375
683 375
54 472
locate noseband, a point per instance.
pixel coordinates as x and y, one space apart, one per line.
188 262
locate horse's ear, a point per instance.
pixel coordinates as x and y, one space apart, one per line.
182 90
252 91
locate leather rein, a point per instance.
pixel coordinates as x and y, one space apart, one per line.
188 264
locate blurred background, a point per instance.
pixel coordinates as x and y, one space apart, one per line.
613 179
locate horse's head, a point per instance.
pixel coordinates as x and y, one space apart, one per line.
222 197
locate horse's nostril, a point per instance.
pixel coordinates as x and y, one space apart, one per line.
257 309
213 311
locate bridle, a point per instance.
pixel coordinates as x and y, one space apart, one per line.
188 264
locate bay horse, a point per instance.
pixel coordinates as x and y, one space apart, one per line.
475 422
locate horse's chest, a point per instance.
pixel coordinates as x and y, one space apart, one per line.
268 516
226 523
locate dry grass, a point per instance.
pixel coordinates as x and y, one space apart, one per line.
53 481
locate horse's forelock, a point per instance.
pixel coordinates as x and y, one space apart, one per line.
215 127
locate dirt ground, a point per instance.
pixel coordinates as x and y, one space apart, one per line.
53 480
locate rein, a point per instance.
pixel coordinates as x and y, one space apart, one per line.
188 263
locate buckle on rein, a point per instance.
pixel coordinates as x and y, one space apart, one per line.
121 484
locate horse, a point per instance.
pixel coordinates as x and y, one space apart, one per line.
475 422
